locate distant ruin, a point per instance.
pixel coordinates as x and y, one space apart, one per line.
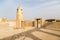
21 23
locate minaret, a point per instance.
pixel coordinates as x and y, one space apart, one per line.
19 17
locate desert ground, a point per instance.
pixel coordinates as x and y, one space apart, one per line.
50 32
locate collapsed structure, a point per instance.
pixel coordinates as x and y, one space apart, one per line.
20 22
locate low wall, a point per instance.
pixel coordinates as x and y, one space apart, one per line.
27 23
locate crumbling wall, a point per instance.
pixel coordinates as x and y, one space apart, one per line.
27 23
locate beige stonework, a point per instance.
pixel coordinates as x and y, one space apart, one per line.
40 21
27 23
19 22
3 20
0 19
19 17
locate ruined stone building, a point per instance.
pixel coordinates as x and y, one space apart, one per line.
20 22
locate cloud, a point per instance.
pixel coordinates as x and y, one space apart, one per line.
49 3
32 8
46 10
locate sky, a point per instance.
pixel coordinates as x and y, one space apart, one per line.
31 8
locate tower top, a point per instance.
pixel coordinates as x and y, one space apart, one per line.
19 7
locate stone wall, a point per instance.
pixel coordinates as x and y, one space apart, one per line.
27 23
39 22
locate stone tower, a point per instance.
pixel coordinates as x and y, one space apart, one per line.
19 17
